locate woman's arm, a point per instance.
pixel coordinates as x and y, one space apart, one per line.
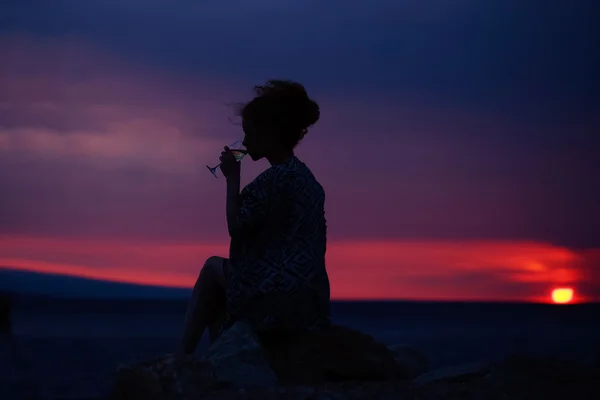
249 209
233 203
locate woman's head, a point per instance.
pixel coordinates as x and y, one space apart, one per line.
277 118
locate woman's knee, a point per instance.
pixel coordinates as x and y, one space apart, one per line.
214 267
213 263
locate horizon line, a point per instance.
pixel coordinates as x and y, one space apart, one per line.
25 293
59 297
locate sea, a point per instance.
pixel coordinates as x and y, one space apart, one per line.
70 348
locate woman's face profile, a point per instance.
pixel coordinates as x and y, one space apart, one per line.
255 140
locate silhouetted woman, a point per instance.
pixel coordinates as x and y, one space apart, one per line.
275 276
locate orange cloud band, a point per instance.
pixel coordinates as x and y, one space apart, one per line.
403 269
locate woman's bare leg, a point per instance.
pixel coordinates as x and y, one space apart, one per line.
214 327
207 301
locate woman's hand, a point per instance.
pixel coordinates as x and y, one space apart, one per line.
230 167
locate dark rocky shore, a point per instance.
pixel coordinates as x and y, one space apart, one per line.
346 364
5 313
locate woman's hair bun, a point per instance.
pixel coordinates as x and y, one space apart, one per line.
312 113
293 100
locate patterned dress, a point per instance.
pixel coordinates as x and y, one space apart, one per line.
276 277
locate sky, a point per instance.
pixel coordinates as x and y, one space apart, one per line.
458 142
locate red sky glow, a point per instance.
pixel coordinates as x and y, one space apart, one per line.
451 172
418 270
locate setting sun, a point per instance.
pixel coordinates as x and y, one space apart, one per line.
562 295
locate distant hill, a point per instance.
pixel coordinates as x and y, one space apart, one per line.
33 283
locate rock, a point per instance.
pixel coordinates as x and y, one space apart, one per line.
237 359
412 363
296 392
168 378
542 377
595 361
592 358
136 383
331 355
242 363
547 368
163 377
329 396
461 373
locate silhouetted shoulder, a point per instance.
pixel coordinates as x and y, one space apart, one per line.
299 178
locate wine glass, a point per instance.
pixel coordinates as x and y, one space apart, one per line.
238 150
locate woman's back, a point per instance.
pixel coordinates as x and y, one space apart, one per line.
278 277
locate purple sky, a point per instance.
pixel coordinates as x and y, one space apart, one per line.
444 121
